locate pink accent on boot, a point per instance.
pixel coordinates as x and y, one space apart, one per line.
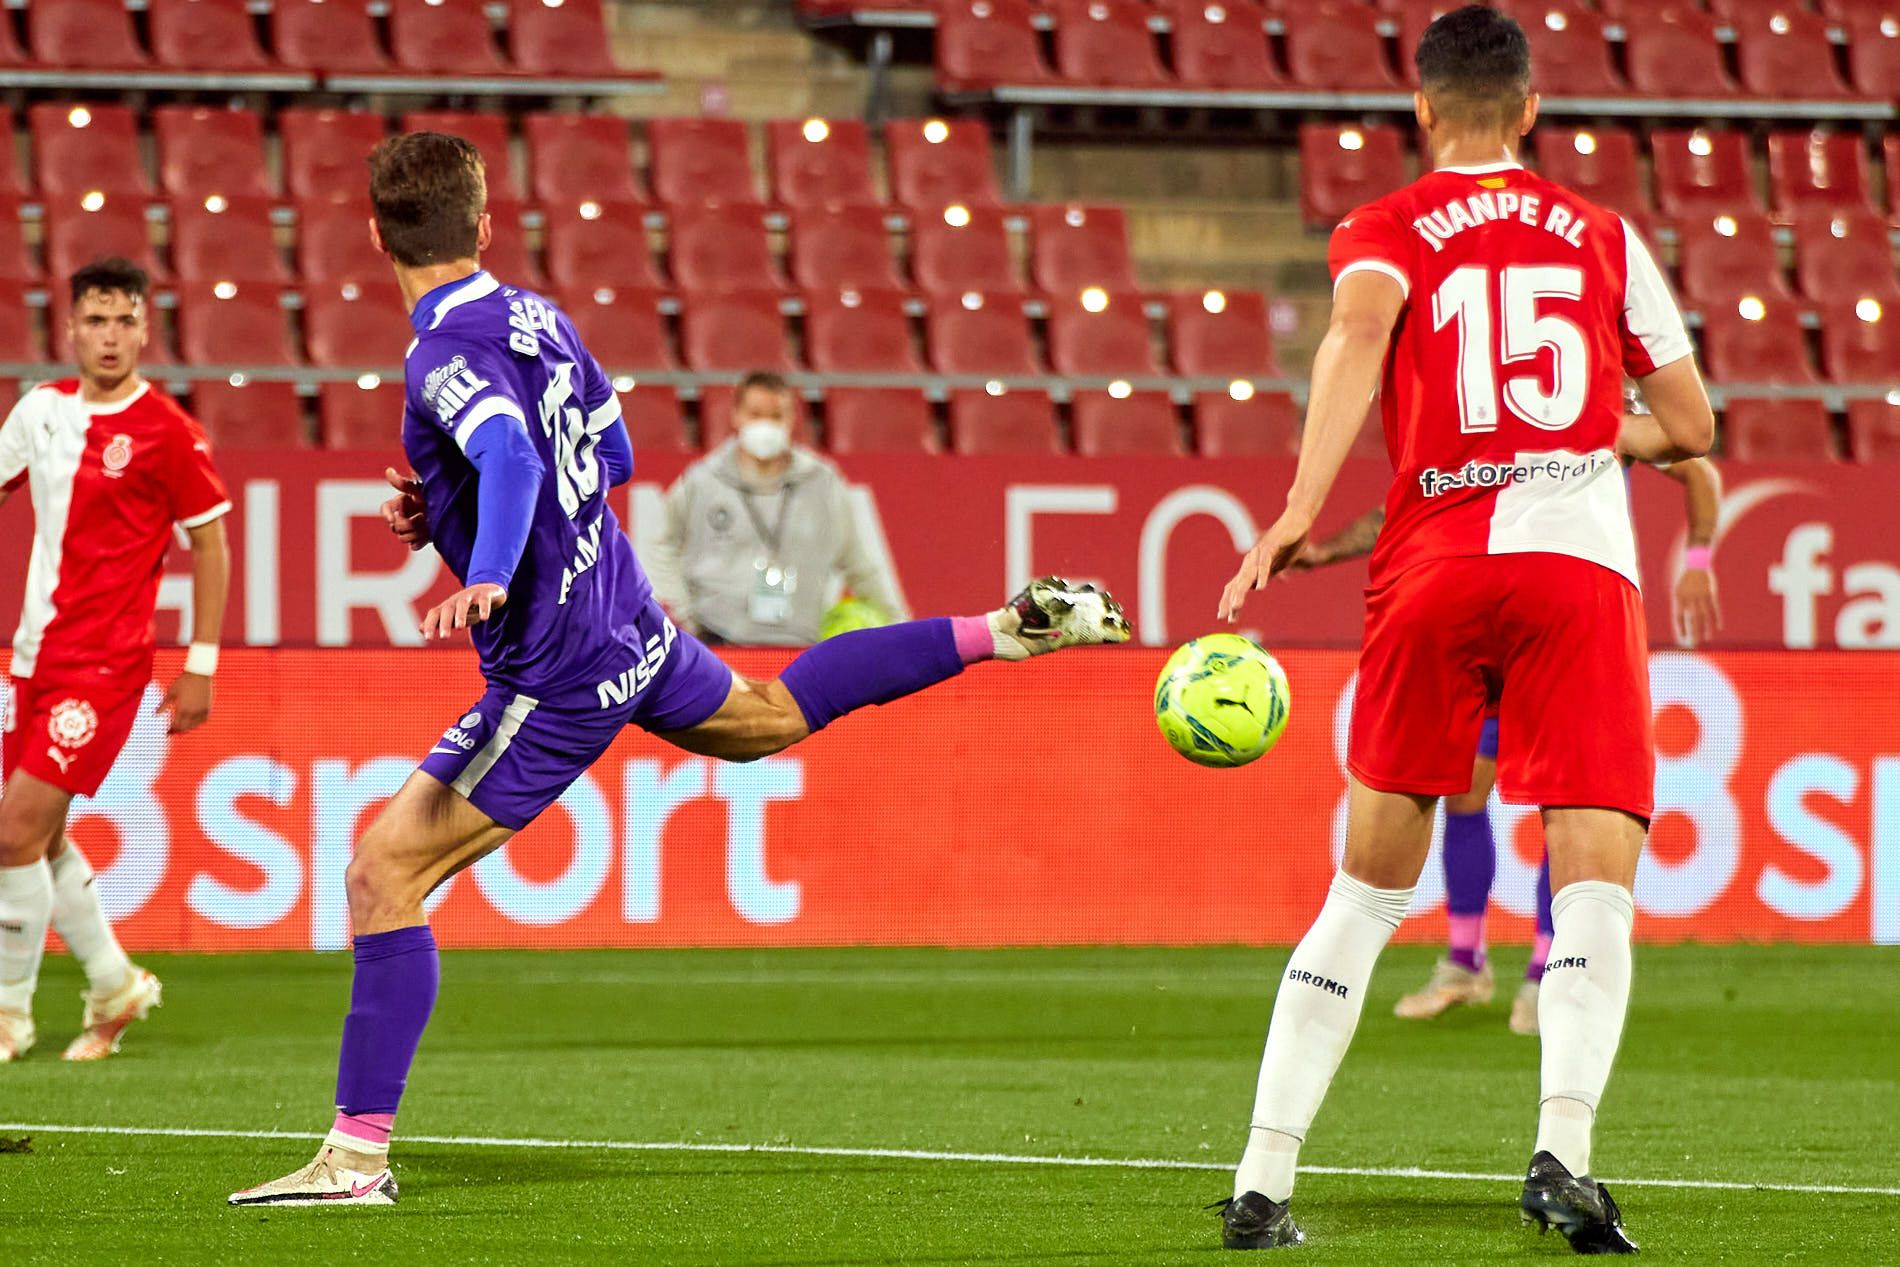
371 1130
974 641
1467 940
1540 953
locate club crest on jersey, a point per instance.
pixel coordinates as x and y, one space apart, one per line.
117 455
72 724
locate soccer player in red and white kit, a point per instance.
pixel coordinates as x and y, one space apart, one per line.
112 465
1505 311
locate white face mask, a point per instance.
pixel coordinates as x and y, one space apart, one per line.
763 439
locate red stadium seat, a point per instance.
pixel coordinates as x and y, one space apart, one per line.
879 420
1847 253
1818 170
1569 55
327 36
1786 54
203 151
325 150
355 325
1110 340
1702 171
1873 430
563 38
1106 43
979 334
721 247
737 330
820 162
1002 422
983 43
576 157
9 390
365 414
1218 332
1671 51
79 232
698 161
858 332
15 264
715 416
1344 165
443 37
1598 163
333 244
1076 246
1891 148
508 256
962 248
222 323
1264 424
1222 46
654 421
211 35
621 326
84 35
1107 424
218 239
1860 340
1873 51
11 54
1747 10
1778 431
487 132
599 244
842 246
1724 257
10 183
247 414
18 342
1336 47
1757 339
936 163
81 148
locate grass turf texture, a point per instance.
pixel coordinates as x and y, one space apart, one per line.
1740 1064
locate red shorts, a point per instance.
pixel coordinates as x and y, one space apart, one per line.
1559 646
68 735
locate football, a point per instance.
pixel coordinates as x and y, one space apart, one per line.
1222 700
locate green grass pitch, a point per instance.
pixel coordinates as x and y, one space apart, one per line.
1741 1065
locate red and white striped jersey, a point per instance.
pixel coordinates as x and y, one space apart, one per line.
108 483
1525 305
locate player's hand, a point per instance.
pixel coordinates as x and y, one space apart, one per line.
405 513
1272 554
1698 614
188 702
464 608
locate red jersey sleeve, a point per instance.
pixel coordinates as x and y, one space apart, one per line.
1651 325
1372 238
197 492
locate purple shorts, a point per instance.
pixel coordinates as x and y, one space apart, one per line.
1488 738
513 755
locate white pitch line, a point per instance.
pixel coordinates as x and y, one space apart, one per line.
921 1154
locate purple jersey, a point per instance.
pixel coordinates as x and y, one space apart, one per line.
488 355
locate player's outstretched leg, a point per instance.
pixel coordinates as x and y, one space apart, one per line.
1463 977
32 814
1524 1006
118 991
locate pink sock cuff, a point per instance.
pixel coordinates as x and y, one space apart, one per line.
369 1128
1540 952
1467 931
974 642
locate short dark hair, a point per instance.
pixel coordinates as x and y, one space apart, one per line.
764 380
115 275
428 191
1475 64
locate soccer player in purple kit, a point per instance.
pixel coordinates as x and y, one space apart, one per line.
515 435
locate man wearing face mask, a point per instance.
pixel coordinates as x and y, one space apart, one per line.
760 537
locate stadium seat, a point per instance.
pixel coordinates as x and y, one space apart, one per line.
1569 55
355 325
715 416
1336 47
1345 165
598 244
219 239
1262 424
9 396
10 183
81 231
223 323
974 333
324 150
983 43
720 247
621 326
365 414
1873 51
1671 51
1111 338
84 35
1818 170
15 264
1860 340
698 161
1106 43
326 36
487 132
820 162
209 35
936 163
1074 246
576 157
858 332
1777 431
879 420
1847 253
1598 163
247 414
1890 147
842 246
654 421
1726 256
508 256
1786 54
1002 422
1873 430
333 243
18 342
204 151
1222 46
1216 332
1108 424
1704 171
443 37
1756 339
736 330
1745 10
960 248
81 148
11 54
557 38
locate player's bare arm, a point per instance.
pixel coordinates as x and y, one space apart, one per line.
188 701
1680 424
1696 613
1354 541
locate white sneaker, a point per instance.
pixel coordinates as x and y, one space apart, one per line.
108 1016
1451 985
1524 1010
16 1035
1051 614
337 1177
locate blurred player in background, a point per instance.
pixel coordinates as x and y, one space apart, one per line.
1470 855
515 434
1505 312
112 464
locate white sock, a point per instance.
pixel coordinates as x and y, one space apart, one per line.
1314 1015
81 922
1580 1011
26 907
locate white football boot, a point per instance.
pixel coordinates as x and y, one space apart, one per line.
1051 614
107 1016
1524 1010
338 1176
16 1035
1452 985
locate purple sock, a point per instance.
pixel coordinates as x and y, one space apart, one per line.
1471 861
1540 949
871 666
390 1002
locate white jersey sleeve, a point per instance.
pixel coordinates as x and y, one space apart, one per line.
16 439
1653 333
